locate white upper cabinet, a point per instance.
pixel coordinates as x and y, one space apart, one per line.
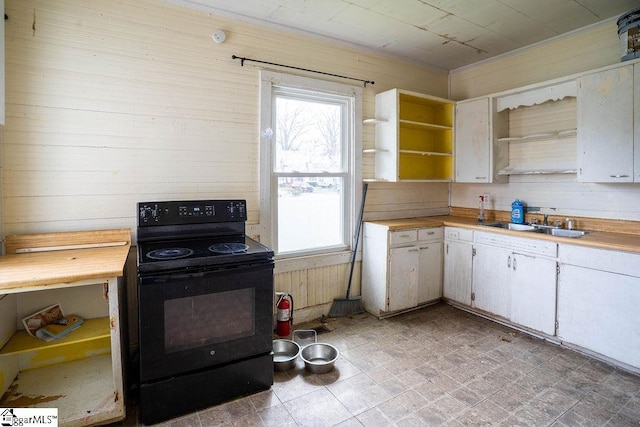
2 95
414 137
605 125
474 159
636 122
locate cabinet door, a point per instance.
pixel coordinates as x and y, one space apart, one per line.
605 126
458 258
533 292
430 279
636 121
597 310
491 280
403 278
472 150
2 68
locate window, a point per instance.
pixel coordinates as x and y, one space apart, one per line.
311 173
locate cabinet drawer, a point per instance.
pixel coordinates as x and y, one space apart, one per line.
626 263
462 234
519 244
403 237
430 234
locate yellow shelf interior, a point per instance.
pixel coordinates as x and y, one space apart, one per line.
91 329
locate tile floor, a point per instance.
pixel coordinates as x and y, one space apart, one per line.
436 366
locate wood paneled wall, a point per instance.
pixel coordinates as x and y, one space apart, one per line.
582 50
112 102
560 195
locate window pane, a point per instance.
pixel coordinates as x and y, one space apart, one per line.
308 136
310 213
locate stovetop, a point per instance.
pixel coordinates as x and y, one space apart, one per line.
199 253
178 235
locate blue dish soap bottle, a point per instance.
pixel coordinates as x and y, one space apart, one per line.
517 212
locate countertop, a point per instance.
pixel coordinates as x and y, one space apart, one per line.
595 239
55 259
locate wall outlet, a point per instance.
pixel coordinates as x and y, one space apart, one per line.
487 199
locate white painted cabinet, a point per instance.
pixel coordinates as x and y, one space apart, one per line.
473 141
458 259
491 280
515 278
414 137
606 125
81 374
598 300
402 288
401 269
431 264
2 67
533 292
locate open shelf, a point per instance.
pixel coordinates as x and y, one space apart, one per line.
90 330
541 136
82 390
537 170
422 126
373 121
425 153
373 150
416 144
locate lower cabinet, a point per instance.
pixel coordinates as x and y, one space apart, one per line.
515 278
401 269
458 258
491 280
533 292
598 301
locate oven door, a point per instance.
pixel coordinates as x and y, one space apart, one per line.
195 320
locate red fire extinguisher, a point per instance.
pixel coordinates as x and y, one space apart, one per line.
284 317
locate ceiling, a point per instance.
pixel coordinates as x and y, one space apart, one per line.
442 33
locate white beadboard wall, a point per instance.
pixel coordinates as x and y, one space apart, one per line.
584 50
112 102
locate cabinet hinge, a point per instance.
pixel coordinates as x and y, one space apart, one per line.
446 250
105 291
557 324
473 296
473 252
557 269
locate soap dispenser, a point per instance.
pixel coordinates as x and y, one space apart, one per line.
517 212
481 210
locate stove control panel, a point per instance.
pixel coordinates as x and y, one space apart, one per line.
191 212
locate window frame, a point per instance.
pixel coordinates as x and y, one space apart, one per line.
271 83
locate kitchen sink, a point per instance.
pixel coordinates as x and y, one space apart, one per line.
554 231
562 232
515 227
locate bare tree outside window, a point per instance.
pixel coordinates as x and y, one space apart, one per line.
309 150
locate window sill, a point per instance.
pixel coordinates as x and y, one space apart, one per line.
305 262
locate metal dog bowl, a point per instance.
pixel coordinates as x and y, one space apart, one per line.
319 358
285 353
